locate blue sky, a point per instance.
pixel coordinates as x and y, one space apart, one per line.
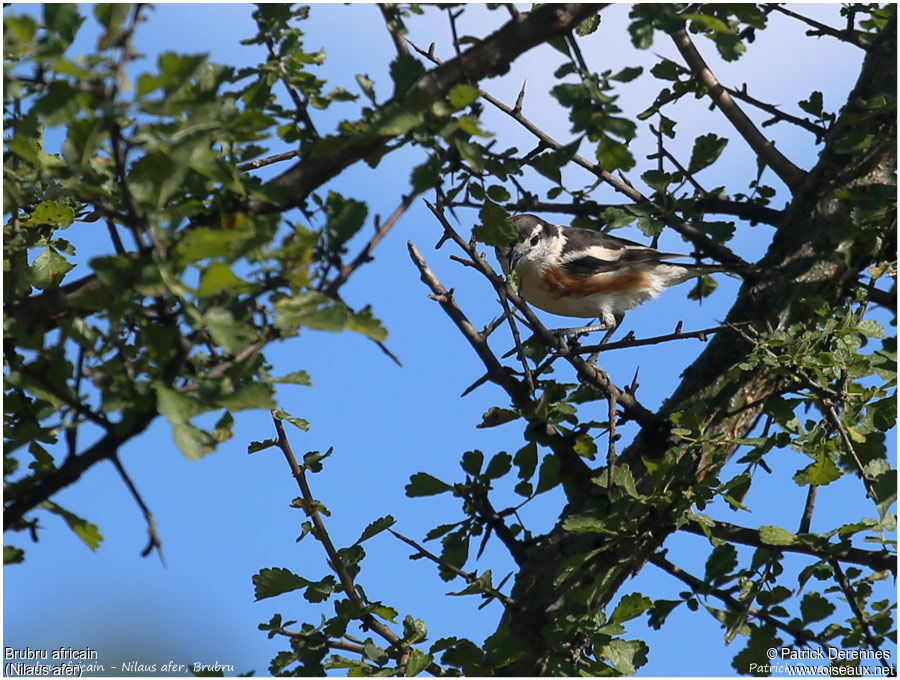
225 517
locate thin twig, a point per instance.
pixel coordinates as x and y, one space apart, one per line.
468 577
700 334
365 254
268 160
301 109
321 534
789 173
839 426
847 35
777 114
864 621
154 541
337 565
801 637
877 561
806 518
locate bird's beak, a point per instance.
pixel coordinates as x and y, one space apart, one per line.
512 259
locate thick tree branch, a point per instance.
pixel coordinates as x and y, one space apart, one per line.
490 57
789 173
74 466
394 25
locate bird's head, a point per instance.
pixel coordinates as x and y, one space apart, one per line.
534 240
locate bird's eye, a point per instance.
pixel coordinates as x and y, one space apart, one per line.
534 240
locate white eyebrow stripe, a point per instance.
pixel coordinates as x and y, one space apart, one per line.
601 253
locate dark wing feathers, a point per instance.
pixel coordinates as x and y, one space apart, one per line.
587 265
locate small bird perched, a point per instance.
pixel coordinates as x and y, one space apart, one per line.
588 274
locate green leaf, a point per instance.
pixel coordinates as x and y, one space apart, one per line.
299 423
423 484
613 155
812 105
345 216
707 149
48 269
156 177
230 334
814 607
628 74
13 555
418 661
218 277
222 431
772 535
657 180
87 532
548 476
414 630
720 563
526 460
495 228
585 523
495 416
365 323
499 465
709 21
405 72
462 95
294 378
626 656
374 653
624 479
823 471
261 446
629 607
665 70
376 527
367 85
250 396
753 659
853 140
424 176
50 213
870 328
63 18
588 26
498 193
276 581
471 462
193 442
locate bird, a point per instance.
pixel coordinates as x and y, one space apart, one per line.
570 271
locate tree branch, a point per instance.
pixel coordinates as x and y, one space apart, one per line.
468 577
74 466
488 58
848 36
394 25
800 637
321 534
789 173
878 561
154 541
